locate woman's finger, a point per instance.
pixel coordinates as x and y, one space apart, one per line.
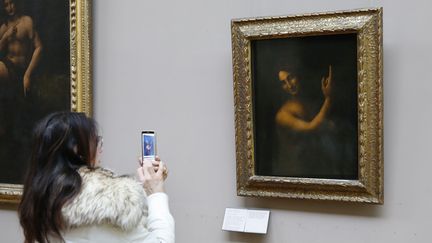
140 161
165 172
148 168
160 170
140 173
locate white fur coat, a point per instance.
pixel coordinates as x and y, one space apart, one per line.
106 199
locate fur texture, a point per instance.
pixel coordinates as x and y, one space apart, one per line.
106 199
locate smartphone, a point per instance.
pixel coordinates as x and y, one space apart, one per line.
148 145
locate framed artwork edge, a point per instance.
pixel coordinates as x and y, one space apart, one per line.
80 76
367 24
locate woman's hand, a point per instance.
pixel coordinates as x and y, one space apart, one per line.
155 163
326 83
152 174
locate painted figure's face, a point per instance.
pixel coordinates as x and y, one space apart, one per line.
9 7
289 82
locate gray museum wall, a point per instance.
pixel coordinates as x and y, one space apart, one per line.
166 65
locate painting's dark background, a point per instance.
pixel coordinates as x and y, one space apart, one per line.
331 150
50 88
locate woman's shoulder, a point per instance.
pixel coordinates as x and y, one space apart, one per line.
103 177
97 172
106 198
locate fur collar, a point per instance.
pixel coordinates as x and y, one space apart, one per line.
106 199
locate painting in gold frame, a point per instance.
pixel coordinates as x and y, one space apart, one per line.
309 107
61 77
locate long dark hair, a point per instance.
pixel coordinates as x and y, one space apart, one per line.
63 142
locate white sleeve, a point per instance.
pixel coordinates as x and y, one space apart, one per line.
160 221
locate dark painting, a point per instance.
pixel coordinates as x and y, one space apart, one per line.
34 75
305 106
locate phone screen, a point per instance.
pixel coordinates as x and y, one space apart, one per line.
148 143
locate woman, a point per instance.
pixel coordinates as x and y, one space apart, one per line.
68 198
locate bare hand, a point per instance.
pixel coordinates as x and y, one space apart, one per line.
326 83
155 163
152 178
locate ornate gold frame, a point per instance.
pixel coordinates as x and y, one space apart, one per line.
367 24
80 71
